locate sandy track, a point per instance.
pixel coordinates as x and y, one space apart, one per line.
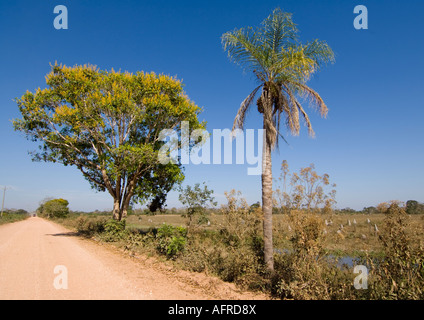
30 251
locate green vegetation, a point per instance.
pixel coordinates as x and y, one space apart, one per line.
196 199
101 122
308 253
414 207
171 240
315 247
53 208
9 216
400 274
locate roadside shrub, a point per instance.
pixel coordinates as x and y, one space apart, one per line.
312 279
399 274
232 264
236 253
305 272
171 240
12 217
114 230
89 226
133 240
194 257
308 233
241 223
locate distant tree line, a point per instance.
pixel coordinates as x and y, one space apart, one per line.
15 211
411 207
414 207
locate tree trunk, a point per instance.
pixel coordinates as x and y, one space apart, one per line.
116 209
125 206
267 204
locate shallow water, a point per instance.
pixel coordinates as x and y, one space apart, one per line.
343 261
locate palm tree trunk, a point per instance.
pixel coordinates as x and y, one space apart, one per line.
267 204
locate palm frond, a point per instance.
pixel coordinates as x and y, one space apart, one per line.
294 65
320 52
244 47
242 111
314 98
306 118
279 30
292 115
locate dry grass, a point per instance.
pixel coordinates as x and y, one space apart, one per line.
351 240
230 247
146 222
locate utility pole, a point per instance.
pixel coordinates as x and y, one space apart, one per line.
2 204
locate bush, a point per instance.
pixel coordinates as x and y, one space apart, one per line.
414 207
171 240
312 278
196 199
306 272
236 254
234 264
308 233
89 226
55 208
400 273
114 230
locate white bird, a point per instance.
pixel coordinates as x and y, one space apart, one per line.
375 228
354 221
349 223
368 220
290 229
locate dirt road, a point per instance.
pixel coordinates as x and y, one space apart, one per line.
43 260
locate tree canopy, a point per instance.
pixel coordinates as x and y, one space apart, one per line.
53 208
108 124
282 66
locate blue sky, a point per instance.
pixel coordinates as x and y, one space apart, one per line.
371 143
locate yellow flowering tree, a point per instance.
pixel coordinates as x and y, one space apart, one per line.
108 124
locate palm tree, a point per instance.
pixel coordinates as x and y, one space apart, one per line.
283 66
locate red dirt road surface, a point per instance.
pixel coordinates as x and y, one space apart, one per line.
40 260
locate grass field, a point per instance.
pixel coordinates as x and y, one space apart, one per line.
12 217
352 239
